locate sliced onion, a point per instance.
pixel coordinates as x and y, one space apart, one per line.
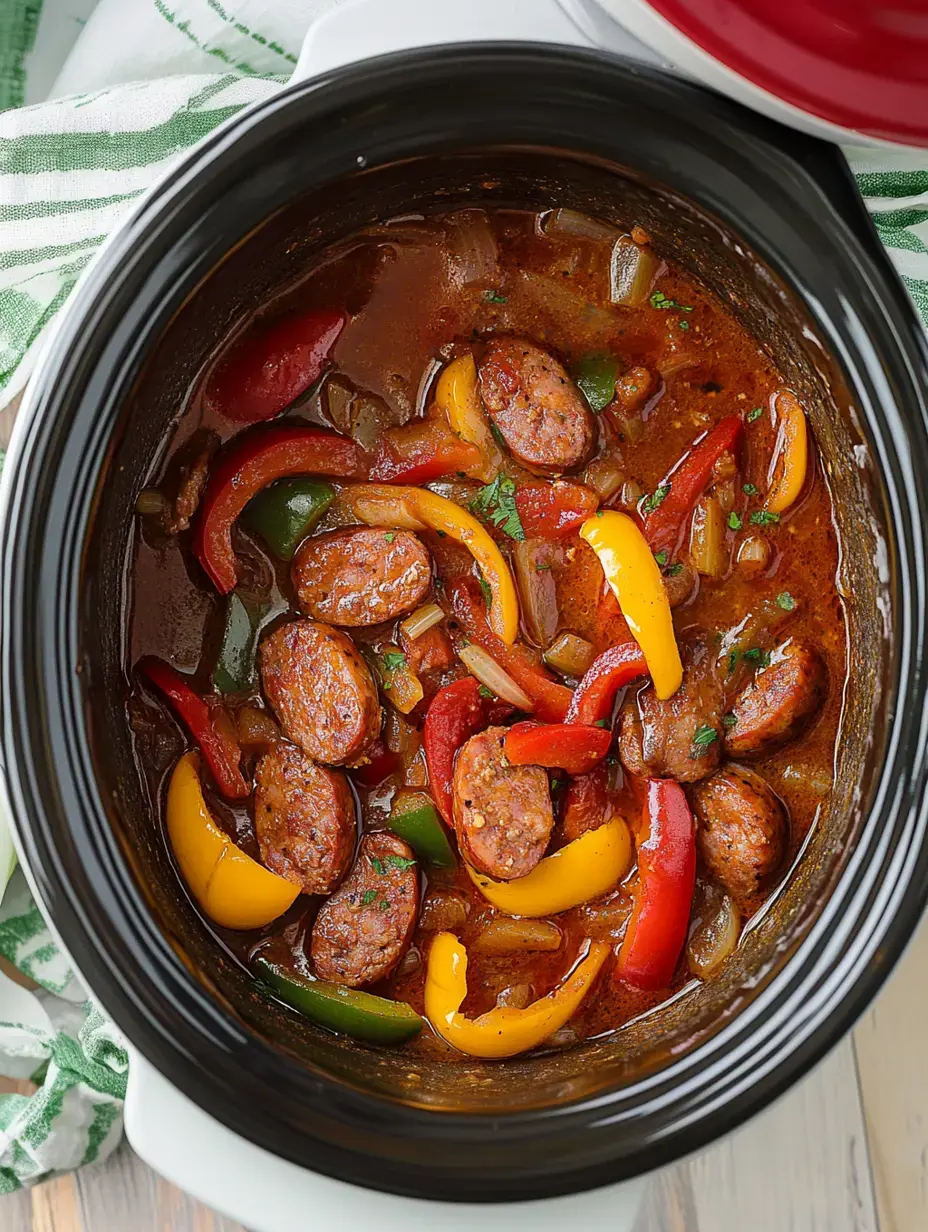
714 933
443 911
422 619
401 737
632 271
410 962
707 538
426 381
605 477
515 996
570 654
473 245
502 936
631 494
489 673
754 553
151 503
557 296
573 224
537 593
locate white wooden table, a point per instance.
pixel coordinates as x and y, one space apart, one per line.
846 1151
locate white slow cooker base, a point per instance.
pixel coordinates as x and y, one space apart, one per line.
268 1194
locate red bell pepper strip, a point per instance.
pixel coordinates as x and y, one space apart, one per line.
456 714
659 921
594 696
420 452
549 510
267 369
250 464
664 525
586 803
575 749
219 748
550 698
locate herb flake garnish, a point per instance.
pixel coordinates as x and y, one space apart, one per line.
763 517
755 413
601 723
385 904
683 324
393 660
660 300
377 865
656 499
674 569
483 691
661 558
497 436
485 590
494 297
368 897
703 737
735 521
758 656
390 536
733 658
786 601
400 862
729 720
497 500
749 489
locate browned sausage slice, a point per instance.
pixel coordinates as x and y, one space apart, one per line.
779 702
540 412
361 576
742 829
679 738
363 930
304 819
502 813
321 691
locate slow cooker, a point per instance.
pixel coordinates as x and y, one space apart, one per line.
230 1095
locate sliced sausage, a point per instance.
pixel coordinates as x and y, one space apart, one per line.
742 829
363 930
540 412
321 691
779 702
502 813
679 738
304 819
361 576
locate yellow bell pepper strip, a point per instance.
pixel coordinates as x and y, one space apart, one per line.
791 453
234 890
504 1031
635 579
583 869
418 509
458 397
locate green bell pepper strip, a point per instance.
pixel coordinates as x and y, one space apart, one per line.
596 376
284 513
423 831
236 662
348 1010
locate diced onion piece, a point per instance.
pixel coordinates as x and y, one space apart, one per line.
532 567
573 224
151 503
570 654
255 729
604 477
715 935
631 272
422 619
503 936
473 245
401 737
707 538
631 494
515 996
754 553
489 673
443 911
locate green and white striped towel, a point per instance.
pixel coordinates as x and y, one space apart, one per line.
139 87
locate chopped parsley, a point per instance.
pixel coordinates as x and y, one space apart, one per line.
786 601
703 737
497 436
758 656
735 521
749 489
673 570
485 590
390 536
660 300
385 904
498 501
661 558
399 862
494 297
683 324
763 517
601 723
755 413
729 720
656 499
556 783
483 691
368 897
541 568
733 660
393 660
377 865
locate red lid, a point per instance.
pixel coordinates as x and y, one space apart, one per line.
857 63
